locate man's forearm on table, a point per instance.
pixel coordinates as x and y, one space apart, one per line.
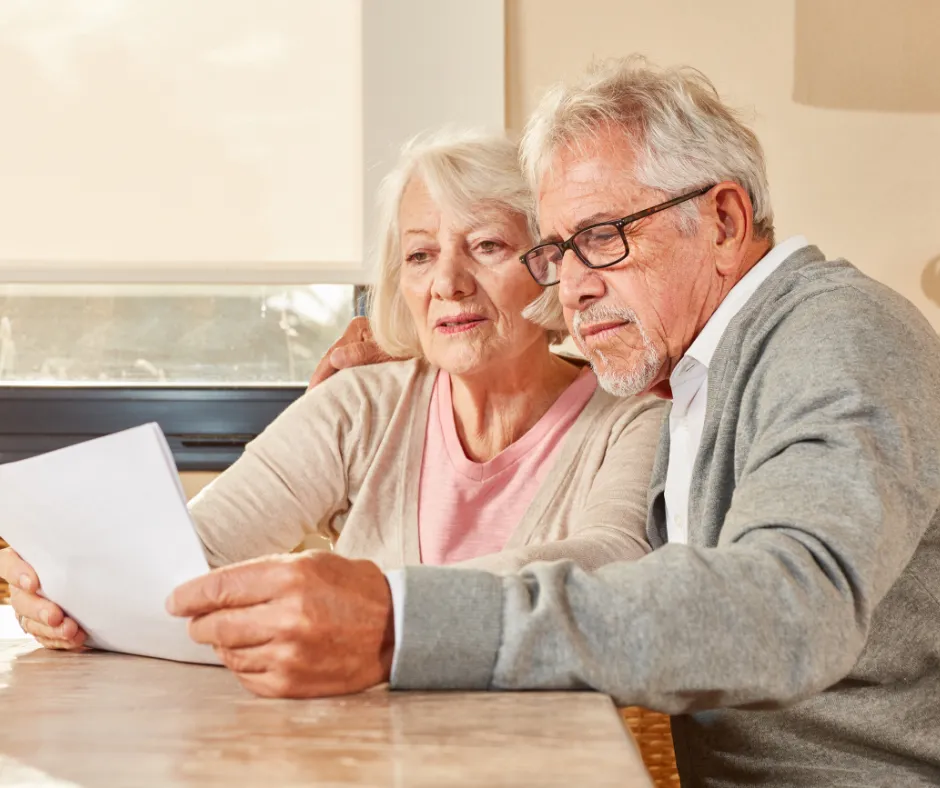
447 627
617 630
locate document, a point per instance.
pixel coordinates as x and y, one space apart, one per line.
105 525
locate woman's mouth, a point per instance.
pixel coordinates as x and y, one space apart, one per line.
458 324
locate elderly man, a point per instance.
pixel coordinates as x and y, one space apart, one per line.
789 614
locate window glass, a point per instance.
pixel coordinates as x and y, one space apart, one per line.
67 335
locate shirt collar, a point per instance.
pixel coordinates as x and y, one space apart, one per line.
705 344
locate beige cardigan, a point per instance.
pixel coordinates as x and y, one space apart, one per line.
345 461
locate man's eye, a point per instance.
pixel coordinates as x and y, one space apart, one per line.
488 247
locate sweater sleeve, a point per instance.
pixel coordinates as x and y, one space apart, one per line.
840 483
611 525
292 478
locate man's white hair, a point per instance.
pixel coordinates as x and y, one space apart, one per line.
461 170
684 135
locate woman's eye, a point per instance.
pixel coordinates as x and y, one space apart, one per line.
417 257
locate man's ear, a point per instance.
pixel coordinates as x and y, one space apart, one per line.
732 218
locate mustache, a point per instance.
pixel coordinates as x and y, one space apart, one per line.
601 313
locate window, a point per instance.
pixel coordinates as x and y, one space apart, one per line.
228 335
212 364
172 141
187 197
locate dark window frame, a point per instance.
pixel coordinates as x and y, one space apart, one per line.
206 427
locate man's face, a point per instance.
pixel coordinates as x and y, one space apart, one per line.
636 319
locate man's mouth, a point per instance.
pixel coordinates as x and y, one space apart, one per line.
598 332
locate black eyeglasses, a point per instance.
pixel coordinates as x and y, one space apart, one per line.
597 246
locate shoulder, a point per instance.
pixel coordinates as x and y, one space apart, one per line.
831 333
378 385
634 418
839 306
354 399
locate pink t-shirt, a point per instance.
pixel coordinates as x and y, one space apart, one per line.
467 509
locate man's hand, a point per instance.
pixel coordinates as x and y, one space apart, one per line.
295 626
355 348
39 617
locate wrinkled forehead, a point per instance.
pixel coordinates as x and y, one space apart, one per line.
597 178
457 206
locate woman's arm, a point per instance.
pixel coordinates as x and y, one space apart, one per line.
612 524
288 482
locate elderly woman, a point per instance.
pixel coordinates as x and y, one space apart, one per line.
485 449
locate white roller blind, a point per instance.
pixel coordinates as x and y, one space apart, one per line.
221 140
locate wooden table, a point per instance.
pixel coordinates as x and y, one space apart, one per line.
97 719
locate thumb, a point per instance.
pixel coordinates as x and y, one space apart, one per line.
17 572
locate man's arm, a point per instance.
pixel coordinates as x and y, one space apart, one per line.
355 348
840 485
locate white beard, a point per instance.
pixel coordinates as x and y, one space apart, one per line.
628 383
623 382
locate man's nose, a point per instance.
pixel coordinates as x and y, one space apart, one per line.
579 286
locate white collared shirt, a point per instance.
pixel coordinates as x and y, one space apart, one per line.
690 390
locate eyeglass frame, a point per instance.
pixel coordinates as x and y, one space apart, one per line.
569 244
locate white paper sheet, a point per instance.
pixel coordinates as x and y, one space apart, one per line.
105 525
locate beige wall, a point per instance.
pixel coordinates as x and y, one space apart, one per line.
194 481
860 183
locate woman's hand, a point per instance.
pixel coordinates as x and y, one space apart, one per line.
39 617
354 348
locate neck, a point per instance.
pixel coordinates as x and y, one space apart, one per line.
718 289
497 406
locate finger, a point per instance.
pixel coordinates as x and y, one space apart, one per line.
17 572
255 659
358 354
359 330
69 634
235 628
238 585
323 371
274 684
60 645
36 608
265 684
67 631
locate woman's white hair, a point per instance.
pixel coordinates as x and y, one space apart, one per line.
462 171
684 135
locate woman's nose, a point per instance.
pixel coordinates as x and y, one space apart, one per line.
452 275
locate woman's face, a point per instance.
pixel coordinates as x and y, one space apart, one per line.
464 285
